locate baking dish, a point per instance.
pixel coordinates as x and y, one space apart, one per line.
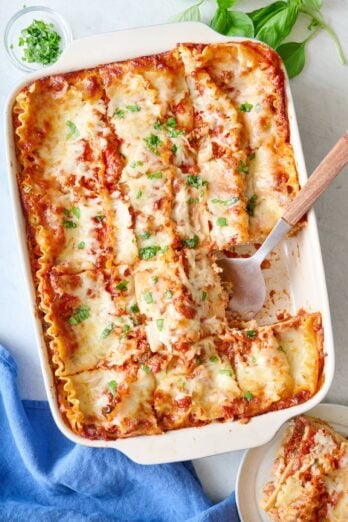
298 260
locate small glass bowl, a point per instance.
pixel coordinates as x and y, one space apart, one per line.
23 19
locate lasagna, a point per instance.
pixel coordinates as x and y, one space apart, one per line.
132 176
310 475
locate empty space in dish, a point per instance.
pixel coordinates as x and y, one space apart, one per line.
294 277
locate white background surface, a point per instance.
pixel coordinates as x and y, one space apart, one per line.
321 101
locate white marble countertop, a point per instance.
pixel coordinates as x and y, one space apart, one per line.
321 100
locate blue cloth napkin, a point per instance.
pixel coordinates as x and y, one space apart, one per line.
46 477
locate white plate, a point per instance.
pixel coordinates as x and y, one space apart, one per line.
296 261
256 465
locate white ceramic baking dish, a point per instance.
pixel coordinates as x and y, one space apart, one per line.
296 272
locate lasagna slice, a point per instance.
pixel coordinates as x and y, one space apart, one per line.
310 473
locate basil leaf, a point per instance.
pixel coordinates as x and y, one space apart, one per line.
312 4
221 21
293 56
262 15
225 4
240 25
277 28
192 14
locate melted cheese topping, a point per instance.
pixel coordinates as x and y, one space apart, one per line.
132 174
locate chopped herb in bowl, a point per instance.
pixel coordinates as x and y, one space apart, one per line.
40 42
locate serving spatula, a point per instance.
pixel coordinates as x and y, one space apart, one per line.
249 289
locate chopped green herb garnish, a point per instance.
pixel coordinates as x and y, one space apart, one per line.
145 368
80 314
11 46
171 123
81 245
67 223
250 208
252 156
196 181
213 358
122 285
73 131
112 385
155 175
204 295
221 222
153 143
145 235
164 249
159 324
148 297
76 212
192 242
245 107
99 218
157 125
243 167
40 42
119 113
171 126
168 294
134 309
182 383
139 194
154 279
191 201
253 360
126 328
149 252
133 108
250 333
174 148
226 202
199 361
280 349
107 330
248 396
226 372
135 164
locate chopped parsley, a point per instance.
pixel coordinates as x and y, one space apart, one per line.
226 372
76 212
191 201
154 279
145 235
149 252
248 396
157 125
245 107
159 324
243 167
107 330
221 222
280 349
139 194
250 208
253 360
73 130
199 361
137 163
171 123
145 368
250 333
119 113
148 297
155 175
133 108
168 294
40 42
226 202
213 358
174 148
122 285
112 385
204 295
81 245
252 156
192 242
134 309
99 218
67 223
171 126
80 314
153 143
126 328
196 181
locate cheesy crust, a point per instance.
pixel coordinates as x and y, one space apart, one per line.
131 176
310 474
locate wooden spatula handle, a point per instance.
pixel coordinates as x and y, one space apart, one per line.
318 182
